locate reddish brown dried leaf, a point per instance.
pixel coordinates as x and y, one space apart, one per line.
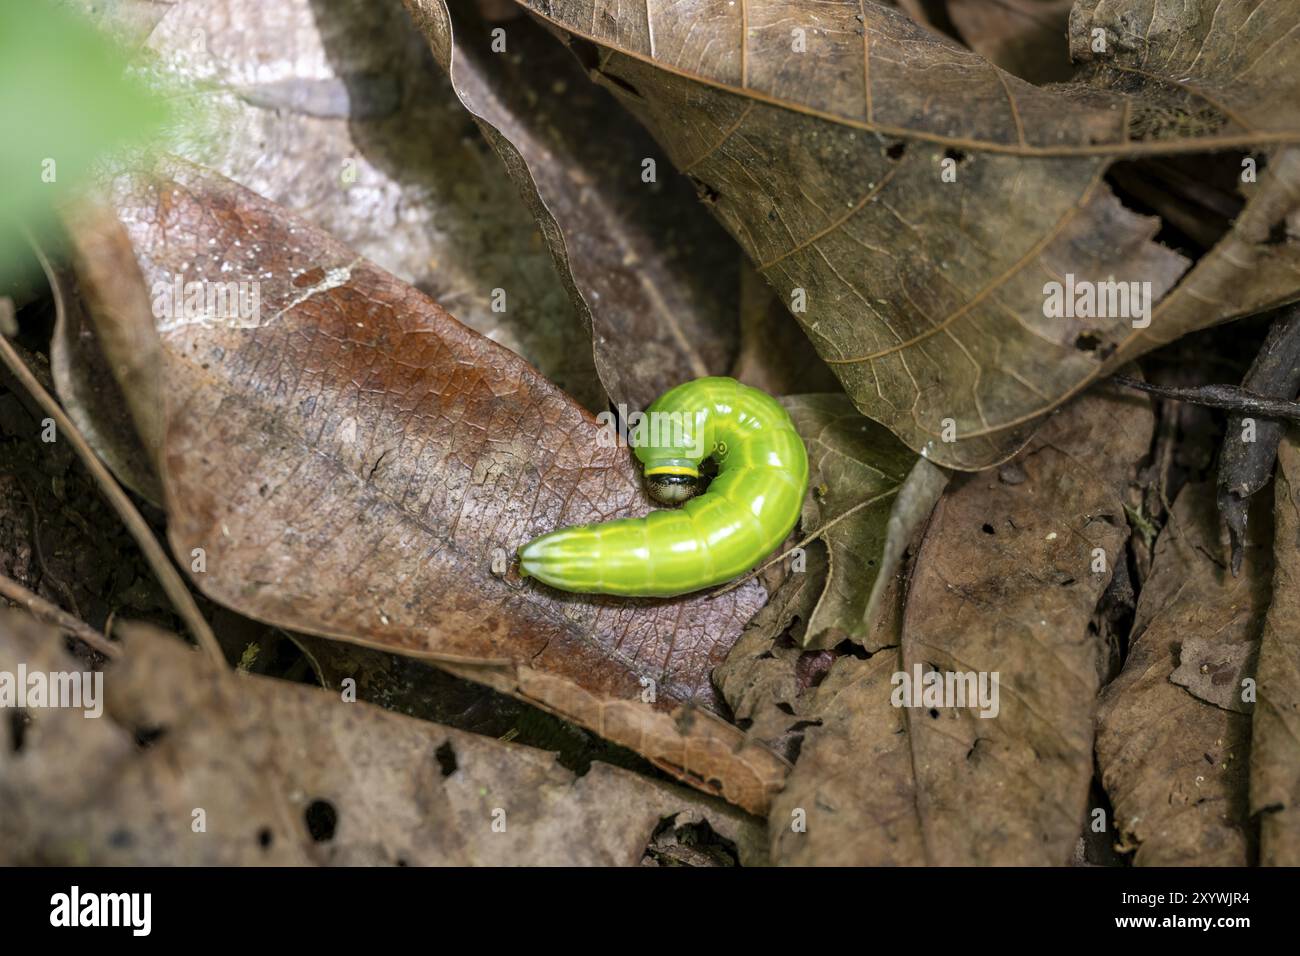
338 112
352 462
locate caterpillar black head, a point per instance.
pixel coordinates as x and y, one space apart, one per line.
673 489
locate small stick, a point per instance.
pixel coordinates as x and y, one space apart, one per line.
163 569
1230 397
43 610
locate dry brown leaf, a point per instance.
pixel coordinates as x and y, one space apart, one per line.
1007 580
870 495
760 679
1173 765
1215 671
1275 741
370 145
1003 582
775 356
870 500
927 297
287 774
851 798
352 462
652 275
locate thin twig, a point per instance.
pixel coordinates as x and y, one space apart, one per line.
163 569
43 610
1233 398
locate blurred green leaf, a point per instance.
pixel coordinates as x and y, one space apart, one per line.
65 100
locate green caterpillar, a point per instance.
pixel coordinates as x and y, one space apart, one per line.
748 510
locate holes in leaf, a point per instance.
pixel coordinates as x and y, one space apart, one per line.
446 757
1196 197
847 647
987 528
146 737
812 667
265 838
18 721
956 155
703 191
896 150
1089 341
322 820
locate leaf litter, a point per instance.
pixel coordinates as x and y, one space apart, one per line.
345 469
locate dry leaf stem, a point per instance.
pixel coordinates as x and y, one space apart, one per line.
48 613
163 569
1233 398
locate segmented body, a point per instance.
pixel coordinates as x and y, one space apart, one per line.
748 510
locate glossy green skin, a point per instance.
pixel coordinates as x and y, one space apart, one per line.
747 511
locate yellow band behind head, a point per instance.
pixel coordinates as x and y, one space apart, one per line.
673 470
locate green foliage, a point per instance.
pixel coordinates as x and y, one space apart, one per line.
65 101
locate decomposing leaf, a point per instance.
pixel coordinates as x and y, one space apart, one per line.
1248 457
760 678
348 460
651 273
188 766
1275 740
1005 581
370 145
851 798
865 511
856 471
927 296
1174 765
413 687
1214 671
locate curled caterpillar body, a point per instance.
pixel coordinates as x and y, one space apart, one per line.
747 511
